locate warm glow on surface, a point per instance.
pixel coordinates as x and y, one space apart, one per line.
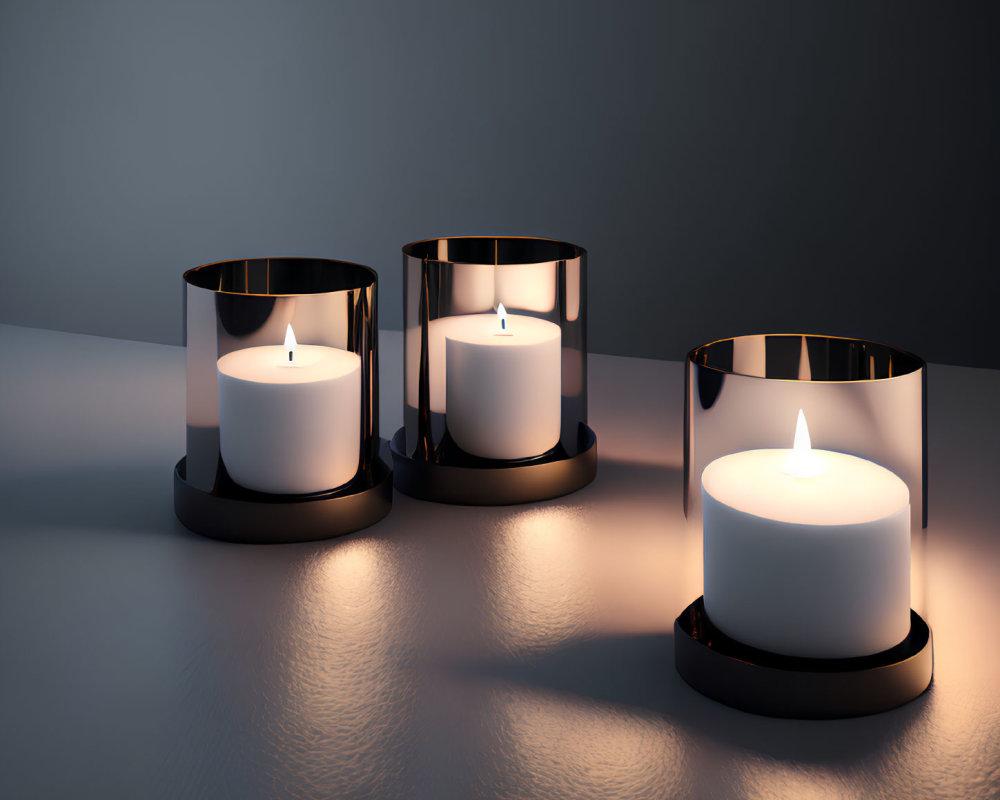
564 747
539 593
803 461
339 683
351 572
765 779
290 343
502 328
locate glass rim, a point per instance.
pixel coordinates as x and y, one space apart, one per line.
907 363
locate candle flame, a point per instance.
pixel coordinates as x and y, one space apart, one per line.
502 328
802 444
802 462
290 343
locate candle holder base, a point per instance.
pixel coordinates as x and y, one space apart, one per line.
495 483
776 685
234 514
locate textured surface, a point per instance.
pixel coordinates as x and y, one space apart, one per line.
447 652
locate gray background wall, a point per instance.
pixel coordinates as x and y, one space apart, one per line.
732 167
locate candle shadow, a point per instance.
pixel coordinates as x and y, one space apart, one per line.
638 672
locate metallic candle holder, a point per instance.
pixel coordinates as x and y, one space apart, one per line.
465 438
775 685
862 398
236 305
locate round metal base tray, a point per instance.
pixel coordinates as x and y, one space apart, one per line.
234 514
494 483
803 688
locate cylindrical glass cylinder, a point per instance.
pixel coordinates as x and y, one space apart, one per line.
282 395
495 365
860 397
810 604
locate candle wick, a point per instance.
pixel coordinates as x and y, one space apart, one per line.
291 354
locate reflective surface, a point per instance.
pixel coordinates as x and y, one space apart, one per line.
859 397
447 652
444 281
234 305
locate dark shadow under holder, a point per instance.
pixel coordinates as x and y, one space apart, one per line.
776 685
480 482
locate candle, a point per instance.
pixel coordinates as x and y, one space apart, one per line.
289 416
503 384
438 331
807 552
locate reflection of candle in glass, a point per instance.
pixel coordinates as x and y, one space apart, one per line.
807 552
471 287
502 384
528 286
290 416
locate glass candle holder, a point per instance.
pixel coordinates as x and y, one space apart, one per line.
807 610
860 397
282 401
495 384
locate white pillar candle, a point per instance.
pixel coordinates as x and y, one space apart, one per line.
438 332
290 426
503 385
807 552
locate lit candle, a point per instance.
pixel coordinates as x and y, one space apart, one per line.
289 416
807 552
502 375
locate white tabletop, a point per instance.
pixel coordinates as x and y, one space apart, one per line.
447 652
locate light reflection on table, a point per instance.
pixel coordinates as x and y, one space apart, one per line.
447 651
